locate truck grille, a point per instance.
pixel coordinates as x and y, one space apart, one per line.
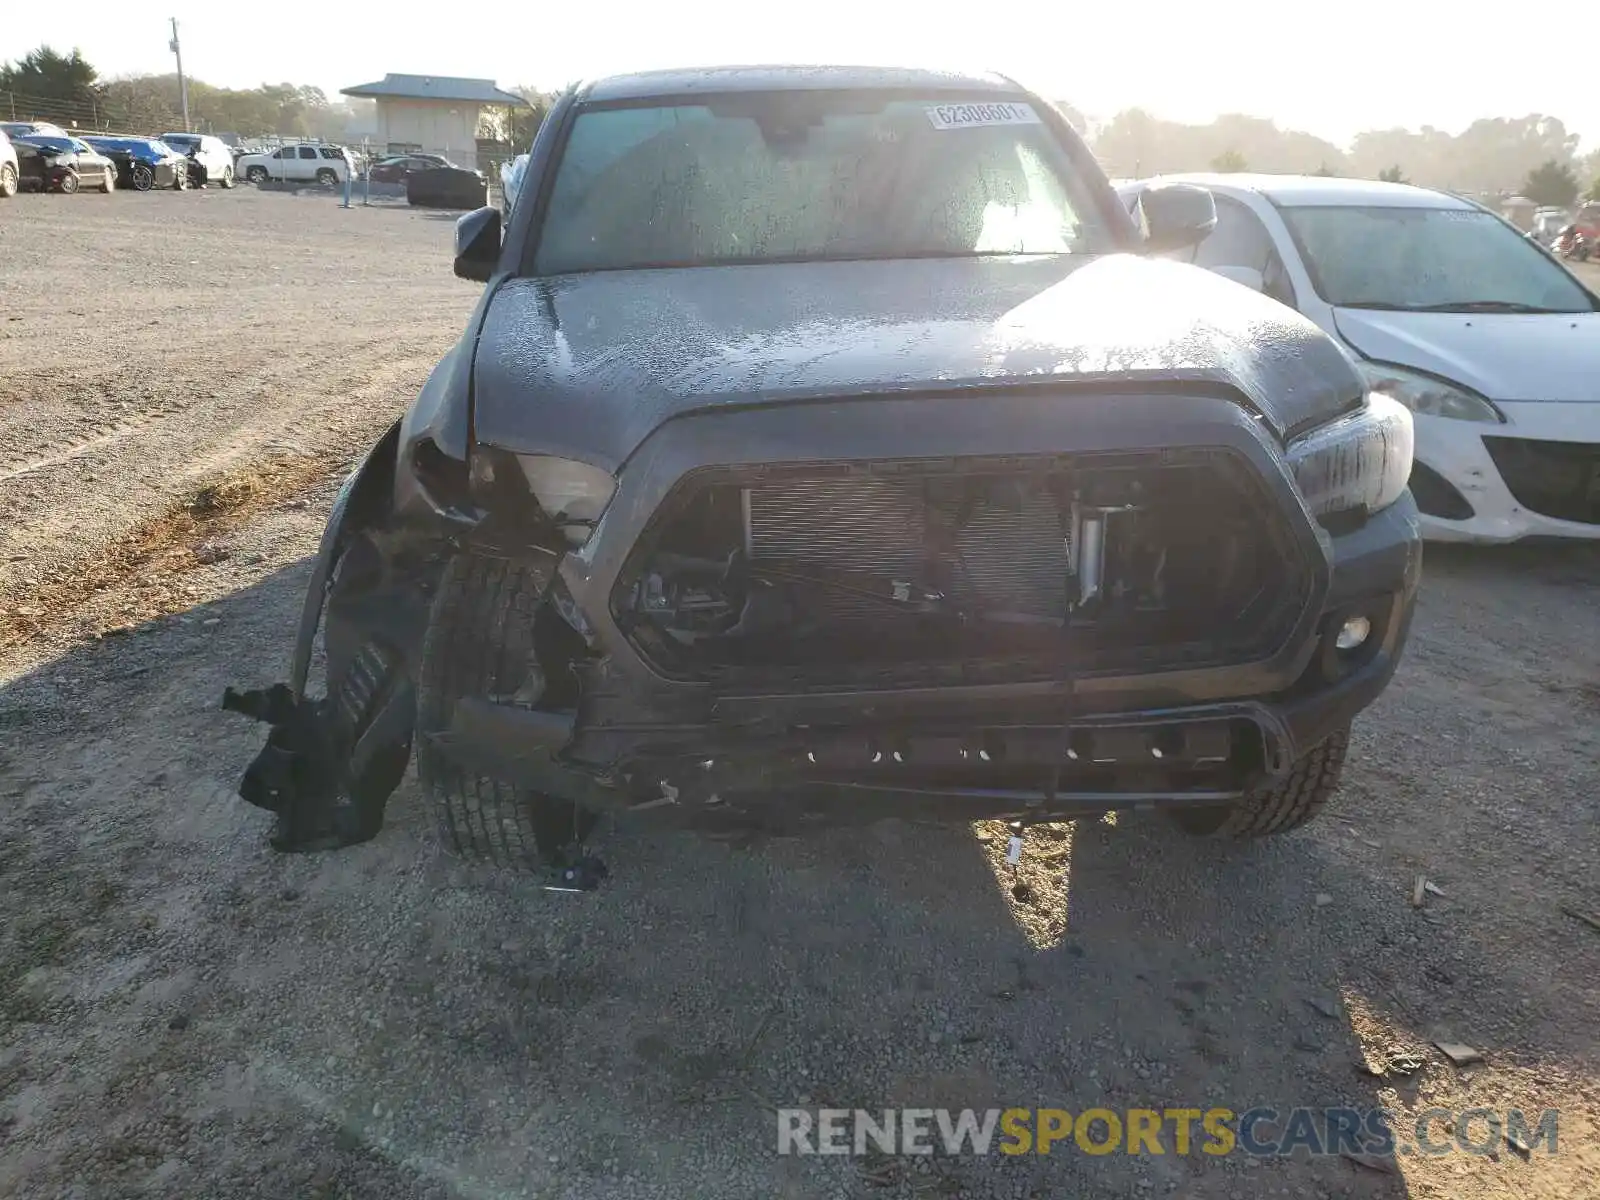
1555 479
1009 549
964 570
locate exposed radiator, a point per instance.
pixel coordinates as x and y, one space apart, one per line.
1000 545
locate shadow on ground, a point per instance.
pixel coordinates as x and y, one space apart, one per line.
389 1016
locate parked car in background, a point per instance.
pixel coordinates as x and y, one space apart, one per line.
18 129
144 163
1448 308
210 160
302 162
395 168
62 164
8 168
447 187
1548 222
511 175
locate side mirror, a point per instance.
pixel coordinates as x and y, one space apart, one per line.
478 243
1248 277
1175 216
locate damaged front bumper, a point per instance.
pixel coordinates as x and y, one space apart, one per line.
1087 731
1046 751
1058 677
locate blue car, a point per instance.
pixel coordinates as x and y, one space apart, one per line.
144 163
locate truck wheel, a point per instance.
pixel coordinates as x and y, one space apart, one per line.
480 641
256 175
327 176
1288 805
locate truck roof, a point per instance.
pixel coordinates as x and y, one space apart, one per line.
689 81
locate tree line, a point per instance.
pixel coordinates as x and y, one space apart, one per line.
1534 155
46 85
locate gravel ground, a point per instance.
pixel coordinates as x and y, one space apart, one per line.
182 1013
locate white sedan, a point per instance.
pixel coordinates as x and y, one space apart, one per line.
1492 344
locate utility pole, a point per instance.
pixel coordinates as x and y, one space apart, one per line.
183 84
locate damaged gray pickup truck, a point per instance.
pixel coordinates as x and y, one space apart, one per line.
830 445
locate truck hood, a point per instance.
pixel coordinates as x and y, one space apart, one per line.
588 366
1504 356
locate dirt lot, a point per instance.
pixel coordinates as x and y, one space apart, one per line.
182 379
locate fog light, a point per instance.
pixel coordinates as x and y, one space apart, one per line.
1353 633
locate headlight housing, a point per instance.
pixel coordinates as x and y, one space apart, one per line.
1357 462
1427 395
572 494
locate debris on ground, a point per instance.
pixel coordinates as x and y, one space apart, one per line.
1372 1162
1403 1063
1397 1064
1461 1055
1589 919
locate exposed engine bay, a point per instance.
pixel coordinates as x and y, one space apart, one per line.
901 564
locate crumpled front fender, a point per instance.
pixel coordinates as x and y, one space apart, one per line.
363 499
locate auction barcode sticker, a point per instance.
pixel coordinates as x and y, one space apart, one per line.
969 116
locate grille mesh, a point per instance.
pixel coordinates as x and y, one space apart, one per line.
1555 479
1009 553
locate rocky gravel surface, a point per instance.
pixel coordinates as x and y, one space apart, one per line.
184 1014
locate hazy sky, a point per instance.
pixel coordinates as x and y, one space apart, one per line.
1332 69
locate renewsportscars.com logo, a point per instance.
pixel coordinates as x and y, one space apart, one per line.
1260 1132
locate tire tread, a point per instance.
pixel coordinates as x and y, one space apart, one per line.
479 637
1303 794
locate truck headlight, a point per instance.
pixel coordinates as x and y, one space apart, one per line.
1358 461
1429 396
572 494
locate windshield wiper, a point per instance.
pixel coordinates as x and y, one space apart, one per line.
1505 306
1463 306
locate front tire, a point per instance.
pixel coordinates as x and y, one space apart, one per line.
68 183
109 183
256 175
1303 794
141 178
8 181
327 176
480 642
